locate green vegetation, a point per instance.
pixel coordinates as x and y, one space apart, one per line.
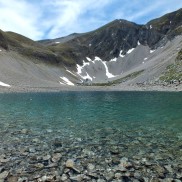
120 80
3 41
174 71
33 50
170 22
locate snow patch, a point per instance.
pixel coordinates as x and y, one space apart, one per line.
70 72
121 55
145 58
113 60
151 51
85 64
109 75
79 69
87 77
150 26
61 83
170 22
162 47
97 59
88 59
130 50
143 62
4 84
138 42
90 45
0 50
68 82
57 42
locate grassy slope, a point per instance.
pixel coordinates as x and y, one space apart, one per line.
31 49
120 80
169 24
173 71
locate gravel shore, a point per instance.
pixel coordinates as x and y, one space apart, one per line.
170 88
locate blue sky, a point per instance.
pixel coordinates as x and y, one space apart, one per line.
43 19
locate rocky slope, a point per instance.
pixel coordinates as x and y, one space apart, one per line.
118 53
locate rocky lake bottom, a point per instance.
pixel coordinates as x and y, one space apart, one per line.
91 136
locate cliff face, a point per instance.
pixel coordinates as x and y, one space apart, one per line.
119 52
107 41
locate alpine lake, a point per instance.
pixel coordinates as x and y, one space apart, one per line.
91 136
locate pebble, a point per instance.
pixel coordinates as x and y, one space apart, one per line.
24 131
56 157
70 163
91 167
4 174
40 158
118 175
64 177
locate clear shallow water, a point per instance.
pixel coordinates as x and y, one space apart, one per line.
138 124
106 109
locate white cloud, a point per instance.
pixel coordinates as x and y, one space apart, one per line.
55 18
21 17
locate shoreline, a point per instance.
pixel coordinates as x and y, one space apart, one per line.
147 88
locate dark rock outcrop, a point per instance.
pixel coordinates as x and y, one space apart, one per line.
107 41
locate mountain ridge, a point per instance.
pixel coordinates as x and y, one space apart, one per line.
114 51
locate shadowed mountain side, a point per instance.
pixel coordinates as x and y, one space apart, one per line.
119 53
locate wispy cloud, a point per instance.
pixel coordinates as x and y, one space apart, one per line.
55 18
19 16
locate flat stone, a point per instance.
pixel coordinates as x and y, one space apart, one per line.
168 168
32 150
13 179
109 176
77 178
90 167
24 131
4 174
64 177
117 175
56 157
47 157
39 165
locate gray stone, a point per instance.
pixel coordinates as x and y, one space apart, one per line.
56 157
4 174
70 163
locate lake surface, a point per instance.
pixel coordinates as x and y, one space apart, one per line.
144 127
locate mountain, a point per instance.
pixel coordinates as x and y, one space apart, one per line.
119 53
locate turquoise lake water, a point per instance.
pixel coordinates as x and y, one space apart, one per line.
140 124
91 109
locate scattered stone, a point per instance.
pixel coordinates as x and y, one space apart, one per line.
114 150
24 131
39 165
117 175
70 163
56 157
64 177
58 143
77 178
47 157
36 140
109 176
12 179
4 175
168 168
91 167
32 150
